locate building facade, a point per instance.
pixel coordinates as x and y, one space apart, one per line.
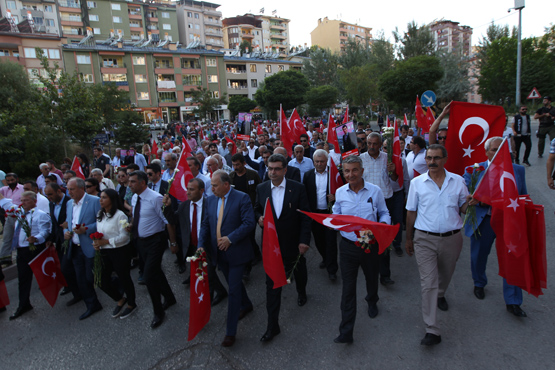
202 20
334 34
450 36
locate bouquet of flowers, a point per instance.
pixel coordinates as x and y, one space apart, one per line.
19 214
470 216
65 244
365 240
97 268
200 255
388 133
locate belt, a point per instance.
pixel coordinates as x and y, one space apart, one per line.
151 236
449 233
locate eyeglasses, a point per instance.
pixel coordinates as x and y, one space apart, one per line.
275 169
436 158
442 137
150 173
304 141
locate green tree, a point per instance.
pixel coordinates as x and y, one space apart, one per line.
244 45
382 53
356 54
238 103
321 97
130 130
454 85
206 102
409 78
361 84
321 68
415 41
287 88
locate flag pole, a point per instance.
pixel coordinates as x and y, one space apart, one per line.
487 169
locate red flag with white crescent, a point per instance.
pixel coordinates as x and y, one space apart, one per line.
234 148
335 179
199 298
332 135
470 125
397 159
186 147
178 186
429 121
287 133
76 167
383 233
48 272
154 148
297 124
419 113
271 252
387 122
346 116
406 121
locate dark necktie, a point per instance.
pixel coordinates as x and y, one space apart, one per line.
150 185
136 214
194 236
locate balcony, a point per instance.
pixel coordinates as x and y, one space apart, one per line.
118 83
135 28
69 6
212 12
247 35
277 36
135 16
71 20
277 26
212 32
213 22
152 19
166 85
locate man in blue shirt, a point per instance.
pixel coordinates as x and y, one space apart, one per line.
301 162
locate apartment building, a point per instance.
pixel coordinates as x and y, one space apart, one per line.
450 36
202 20
42 14
333 34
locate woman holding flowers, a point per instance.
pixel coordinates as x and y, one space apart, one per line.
112 246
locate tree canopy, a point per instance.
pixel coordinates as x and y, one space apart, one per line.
287 88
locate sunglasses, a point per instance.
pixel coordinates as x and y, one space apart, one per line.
89 186
442 137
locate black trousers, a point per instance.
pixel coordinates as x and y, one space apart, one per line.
68 271
152 250
118 260
326 243
24 272
273 296
526 139
351 258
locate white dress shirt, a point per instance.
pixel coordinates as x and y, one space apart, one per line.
199 214
304 166
151 219
417 163
40 222
113 230
252 151
278 193
116 162
207 185
375 172
321 189
75 220
106 184
438 209
43 204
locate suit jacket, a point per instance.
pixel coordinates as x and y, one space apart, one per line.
293 173
481 211
252 182
57 234
257 166
292 226
237 224
89 211
309 152
181 217
309 181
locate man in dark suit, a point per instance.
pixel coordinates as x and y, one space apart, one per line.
155 182
226 226
480 245
259 166
293 229
188 221
292 173
317 182
58 214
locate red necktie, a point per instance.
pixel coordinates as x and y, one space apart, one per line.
194 237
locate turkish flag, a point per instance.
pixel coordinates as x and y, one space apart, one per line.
178 187
234 149
4 299
47 270
397 155
470 125
387 122
346 116
154 147
428 122
498 188
199 299
76 167
383 233
419 113
332 135
259 130
287 133
271 253
186 147
405 121
201 133
298 126
335 179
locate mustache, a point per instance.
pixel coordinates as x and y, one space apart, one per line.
432 165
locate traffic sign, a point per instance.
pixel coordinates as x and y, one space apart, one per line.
428 98
534 94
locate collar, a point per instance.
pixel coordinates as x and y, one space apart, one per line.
199 202
365 186
282 185
61 200
80 201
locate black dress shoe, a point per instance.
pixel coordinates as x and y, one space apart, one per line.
20 311
479 292
65 291
399 251
90 312
442 304
168 303
157 321
218 298
343 339
373 310
386 281
229 340
430 339
187 281
322 265
514 309
73 300
333 277
245 312
270 334
301 301
182 269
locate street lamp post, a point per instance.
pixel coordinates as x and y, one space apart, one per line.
519 5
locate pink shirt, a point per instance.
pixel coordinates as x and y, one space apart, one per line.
14 195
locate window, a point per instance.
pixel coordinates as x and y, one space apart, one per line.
143 95
190 26
189 14
192 80
190 63
215 94
254 83
253 67
211 62
166 26
191 36
93 17
268 68
83 59
280 68
139 61
10 4
167 97
4 53
165 15
53 54
164 63
39 21
87 78
140 79
33 73
30 53
112 62
196 15
197 27
117 19
116 7
114 77
50 22
91 4
213 78
48 8
96 31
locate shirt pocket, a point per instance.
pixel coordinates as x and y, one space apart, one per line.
453 201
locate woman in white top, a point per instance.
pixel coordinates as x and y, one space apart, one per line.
113 247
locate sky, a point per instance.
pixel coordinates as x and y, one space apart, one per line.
387 14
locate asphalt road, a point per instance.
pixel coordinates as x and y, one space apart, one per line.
476 334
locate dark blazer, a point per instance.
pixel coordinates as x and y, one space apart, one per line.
293 173
57 234
237 224
292 226
309 152
181 217
252 182
309 181
257 166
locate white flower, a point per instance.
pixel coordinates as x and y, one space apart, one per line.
476 165
204 264
189 259
124 223
201 278
288 281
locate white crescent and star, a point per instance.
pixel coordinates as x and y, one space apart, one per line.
44 264
327 222
196 286
478 121
506 175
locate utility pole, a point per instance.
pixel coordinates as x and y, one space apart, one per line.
519 5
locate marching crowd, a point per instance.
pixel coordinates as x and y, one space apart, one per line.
232 181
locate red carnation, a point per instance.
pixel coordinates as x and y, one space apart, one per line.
77 227
367 251
481 168
468 169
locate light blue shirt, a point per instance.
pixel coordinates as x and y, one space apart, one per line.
151 219
226 197
140 161
305 165
207 185
58 207
368 203
167 175
40 222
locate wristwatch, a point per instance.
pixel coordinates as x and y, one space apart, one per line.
173 244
